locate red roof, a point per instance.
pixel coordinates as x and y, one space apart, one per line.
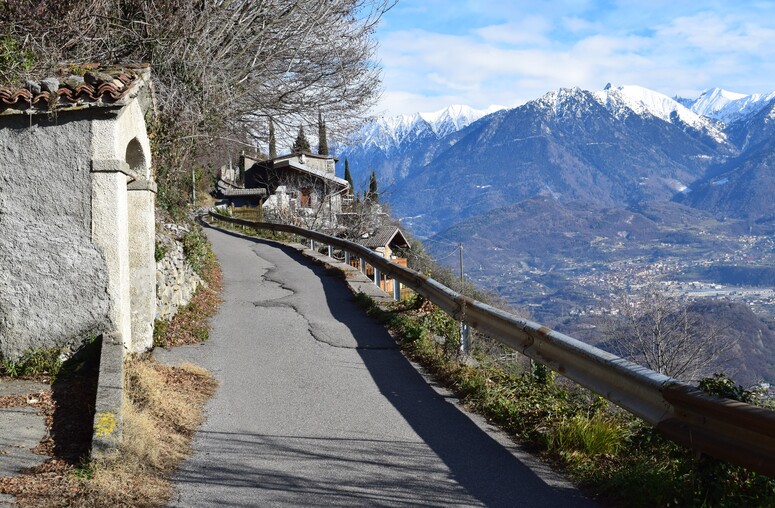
99 86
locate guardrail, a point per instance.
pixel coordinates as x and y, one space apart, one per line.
734 431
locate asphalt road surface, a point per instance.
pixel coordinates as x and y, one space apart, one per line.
318 407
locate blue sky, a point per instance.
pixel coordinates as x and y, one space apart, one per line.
435 53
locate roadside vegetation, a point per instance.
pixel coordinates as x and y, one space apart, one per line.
612 455
190 324
34 364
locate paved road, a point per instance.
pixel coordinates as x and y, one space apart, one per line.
318 407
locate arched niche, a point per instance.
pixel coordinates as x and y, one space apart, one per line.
135 158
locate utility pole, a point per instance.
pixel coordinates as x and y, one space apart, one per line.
462 280
465 335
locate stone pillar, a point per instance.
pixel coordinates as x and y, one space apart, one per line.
142 263
110 232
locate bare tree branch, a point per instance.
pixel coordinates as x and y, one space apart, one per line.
662 333
221 67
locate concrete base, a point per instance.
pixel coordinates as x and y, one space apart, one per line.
110 393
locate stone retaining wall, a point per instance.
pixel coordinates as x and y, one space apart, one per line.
176 281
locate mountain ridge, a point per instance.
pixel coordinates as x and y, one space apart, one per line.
577 195
675 145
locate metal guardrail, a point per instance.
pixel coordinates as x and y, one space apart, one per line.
726 429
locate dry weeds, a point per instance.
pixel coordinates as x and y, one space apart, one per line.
163 408
190 324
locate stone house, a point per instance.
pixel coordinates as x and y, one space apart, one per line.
76 211
300 189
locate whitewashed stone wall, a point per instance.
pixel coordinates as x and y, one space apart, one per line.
54 280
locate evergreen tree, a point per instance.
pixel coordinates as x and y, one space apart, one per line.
373 194
272 140
323 140
301 144
348 176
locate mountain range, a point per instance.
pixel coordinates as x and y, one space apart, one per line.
578 194
618 146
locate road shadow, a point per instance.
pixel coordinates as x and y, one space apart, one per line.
479 464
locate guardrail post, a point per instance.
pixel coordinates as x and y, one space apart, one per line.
312 244
465 339
362 265
377 276
330 251
396 290
347 257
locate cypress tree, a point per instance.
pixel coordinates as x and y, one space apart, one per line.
272 140
322 138
373 195
348 176
301 144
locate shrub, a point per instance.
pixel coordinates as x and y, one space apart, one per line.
197 251
596 435
160 250
36 362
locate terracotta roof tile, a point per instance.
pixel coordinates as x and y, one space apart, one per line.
99 86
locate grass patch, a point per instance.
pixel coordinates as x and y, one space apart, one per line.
611 454
51 365
35 363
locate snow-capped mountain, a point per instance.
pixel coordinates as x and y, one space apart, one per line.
571 145
389 134
452 119
394 146
642 101
619 146
727 107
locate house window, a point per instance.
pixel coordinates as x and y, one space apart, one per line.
306 197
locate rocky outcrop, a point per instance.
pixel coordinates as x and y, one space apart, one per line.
176 281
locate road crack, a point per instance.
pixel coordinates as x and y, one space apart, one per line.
316 331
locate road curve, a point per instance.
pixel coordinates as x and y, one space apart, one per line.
317 406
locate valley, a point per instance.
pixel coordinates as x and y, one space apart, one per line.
574 199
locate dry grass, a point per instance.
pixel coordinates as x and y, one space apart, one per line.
162 409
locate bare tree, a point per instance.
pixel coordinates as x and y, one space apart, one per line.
361 217
661 332
221 67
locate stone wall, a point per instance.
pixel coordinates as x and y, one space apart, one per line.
53 281
176 281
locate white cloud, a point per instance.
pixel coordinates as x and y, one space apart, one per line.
712 33
525 54
575 25
531 30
